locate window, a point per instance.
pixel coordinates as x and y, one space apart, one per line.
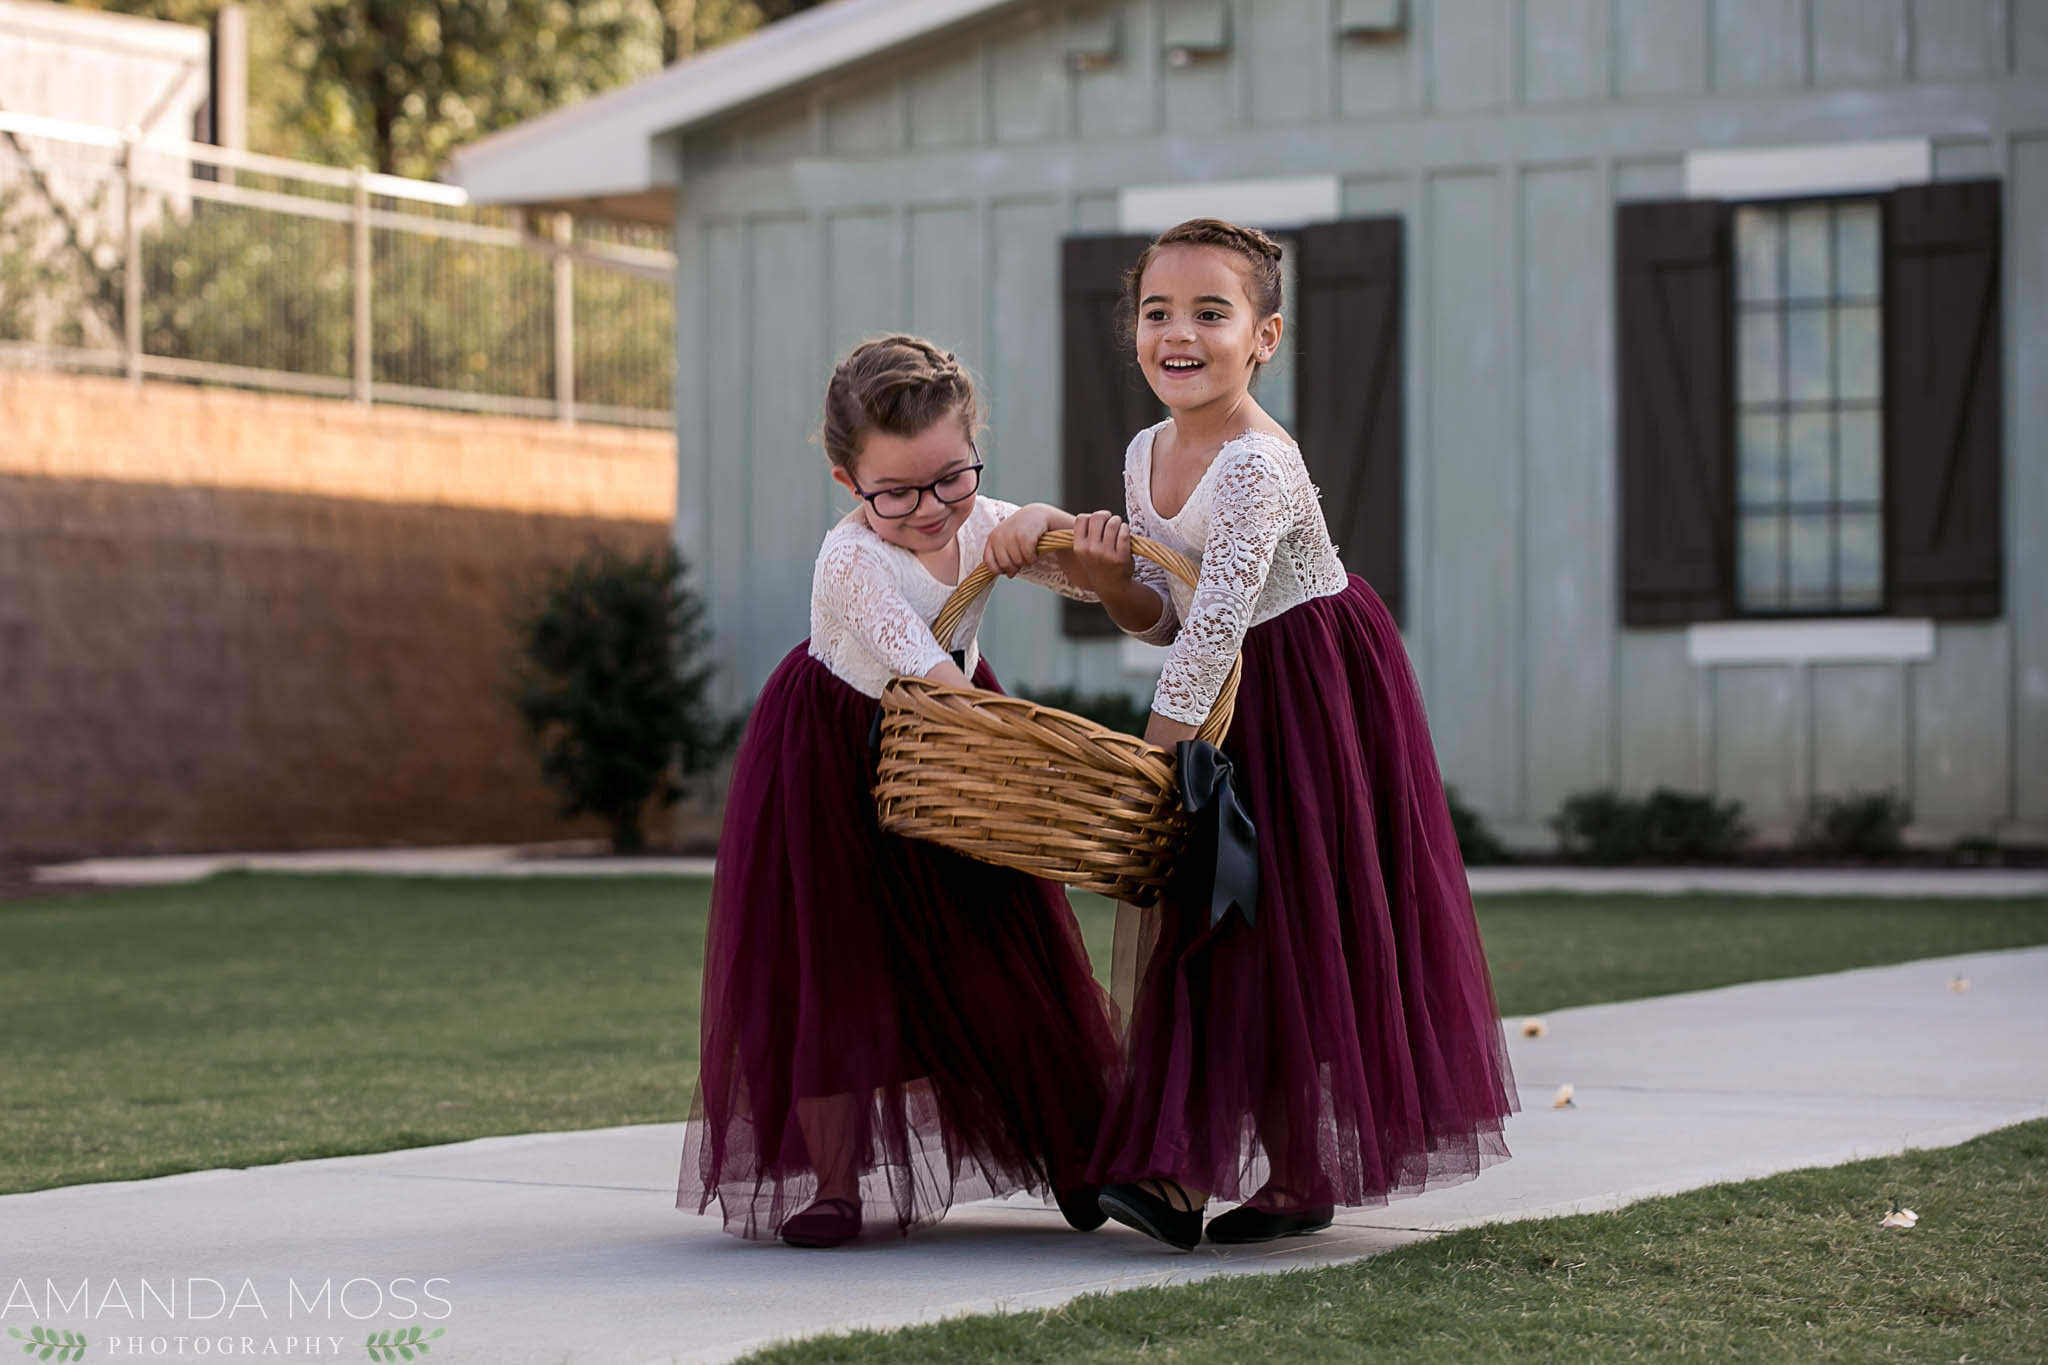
1809 406
1810 396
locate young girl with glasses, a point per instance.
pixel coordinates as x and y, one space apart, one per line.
1336 1042
888 1027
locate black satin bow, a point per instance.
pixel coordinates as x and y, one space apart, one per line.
1223 844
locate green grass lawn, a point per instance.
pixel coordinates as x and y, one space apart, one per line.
1551 951
1792 1268
252 1019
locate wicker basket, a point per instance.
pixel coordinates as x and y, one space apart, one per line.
1025 786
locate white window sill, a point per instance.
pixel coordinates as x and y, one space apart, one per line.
1829 168
1816 641
1139 657
1268 203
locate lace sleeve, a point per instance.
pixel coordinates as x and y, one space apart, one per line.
1045 571
855 586
1160 632
1248 516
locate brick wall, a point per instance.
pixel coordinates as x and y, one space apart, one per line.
233 620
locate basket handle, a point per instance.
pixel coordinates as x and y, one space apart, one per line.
977 584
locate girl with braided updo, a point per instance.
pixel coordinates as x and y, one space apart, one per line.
1330 1039
888 1028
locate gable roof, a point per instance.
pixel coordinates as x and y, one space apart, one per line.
604 150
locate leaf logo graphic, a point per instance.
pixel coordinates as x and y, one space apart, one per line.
48 1343
402 1344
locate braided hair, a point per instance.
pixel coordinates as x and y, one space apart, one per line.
899 385
1258 259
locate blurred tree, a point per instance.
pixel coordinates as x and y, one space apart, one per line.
33 277
690 26
610 679
410 80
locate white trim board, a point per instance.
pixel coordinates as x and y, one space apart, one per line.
1821 641
602 145
1817 168
1256 203
1138 657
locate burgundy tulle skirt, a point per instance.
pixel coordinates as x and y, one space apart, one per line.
1344 1046
877 1010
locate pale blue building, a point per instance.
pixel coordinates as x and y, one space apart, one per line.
1679 367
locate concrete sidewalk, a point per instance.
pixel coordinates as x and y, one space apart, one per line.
471 860
565 1247
508 860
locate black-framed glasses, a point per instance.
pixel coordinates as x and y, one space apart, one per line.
894 504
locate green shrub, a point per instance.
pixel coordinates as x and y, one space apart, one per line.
1115 710
1607 827
1975 849
1599 827
609 682
1856 825
1685 825
1475 841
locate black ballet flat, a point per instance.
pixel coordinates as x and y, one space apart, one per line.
1136 1207
1250 1223
1081 1207
826 1223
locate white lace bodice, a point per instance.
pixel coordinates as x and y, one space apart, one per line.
873 603
1255 524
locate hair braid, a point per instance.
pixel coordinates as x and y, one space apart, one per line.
1258 260
900 385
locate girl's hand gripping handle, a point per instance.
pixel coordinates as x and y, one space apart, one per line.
1101 561
1013 545
1102 553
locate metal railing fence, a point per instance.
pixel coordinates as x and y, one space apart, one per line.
181 260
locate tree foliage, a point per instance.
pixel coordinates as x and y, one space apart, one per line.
33 282
411 80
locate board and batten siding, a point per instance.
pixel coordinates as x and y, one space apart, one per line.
929 191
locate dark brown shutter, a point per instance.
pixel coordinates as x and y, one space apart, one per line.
1348 390
1104 399
1943 390
1673 351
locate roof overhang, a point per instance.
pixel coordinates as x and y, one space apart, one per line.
614 150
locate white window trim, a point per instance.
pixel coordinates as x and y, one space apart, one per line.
1823 640
1818 168
1266 203
1139 657
1791 172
